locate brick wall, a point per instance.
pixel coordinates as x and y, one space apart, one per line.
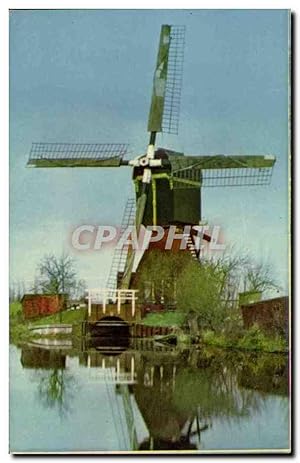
38 305
272 315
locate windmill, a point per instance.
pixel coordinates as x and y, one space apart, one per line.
167 183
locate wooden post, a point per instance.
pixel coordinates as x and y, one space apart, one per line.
161 371
104 301
118 370
133 303
132 368
152 376
119 291
89 303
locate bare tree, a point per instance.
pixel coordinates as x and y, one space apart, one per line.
258 277
238 271
230 267
57 275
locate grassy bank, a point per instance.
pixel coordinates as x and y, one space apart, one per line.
19 327
250 340
173 318
68 317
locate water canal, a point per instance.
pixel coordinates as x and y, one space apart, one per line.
144 396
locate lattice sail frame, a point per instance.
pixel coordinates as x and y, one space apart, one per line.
223 177
120 255
167 81
222 171
77 154
250 176
171 113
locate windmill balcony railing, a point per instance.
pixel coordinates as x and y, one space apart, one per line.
107 296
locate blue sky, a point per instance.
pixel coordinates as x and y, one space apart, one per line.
86 76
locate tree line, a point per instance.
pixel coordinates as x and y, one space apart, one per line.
55 275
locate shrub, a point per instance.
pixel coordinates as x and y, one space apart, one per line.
255 339
233 326
217 340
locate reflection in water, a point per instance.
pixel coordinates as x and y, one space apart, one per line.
55 384
55 390
108 344
161 397
41 358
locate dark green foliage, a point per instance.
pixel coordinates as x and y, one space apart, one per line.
252 339
200 294
176 277
159 273
255 339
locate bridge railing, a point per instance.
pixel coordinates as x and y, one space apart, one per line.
112 374
106 296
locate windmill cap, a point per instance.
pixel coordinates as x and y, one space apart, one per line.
269 157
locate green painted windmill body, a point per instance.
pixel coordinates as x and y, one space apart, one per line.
167 183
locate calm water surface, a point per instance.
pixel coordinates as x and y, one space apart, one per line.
146 397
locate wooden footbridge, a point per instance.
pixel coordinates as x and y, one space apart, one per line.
113 304
116 313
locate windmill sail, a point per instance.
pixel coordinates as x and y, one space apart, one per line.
251 176
120 255
168 183
77 154
220 170
167 82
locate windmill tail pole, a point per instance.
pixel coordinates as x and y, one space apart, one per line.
140 210
152 138
128 270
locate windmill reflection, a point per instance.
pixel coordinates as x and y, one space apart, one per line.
162 398
178 394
